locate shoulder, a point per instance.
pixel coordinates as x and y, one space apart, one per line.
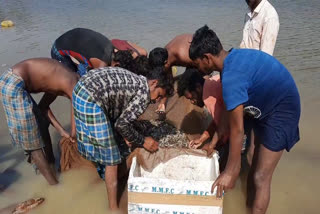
239 64
270 12
233 59
212 82
212 87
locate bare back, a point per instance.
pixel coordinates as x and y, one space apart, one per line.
46 75
178 50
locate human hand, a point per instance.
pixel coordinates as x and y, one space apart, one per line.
128 143
194 144
224 182
161 108
150 144
65 134
209 149
73 133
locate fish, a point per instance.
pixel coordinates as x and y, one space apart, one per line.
27 205
166 134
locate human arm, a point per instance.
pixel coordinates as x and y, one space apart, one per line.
212 98
246 19
269 35
111 181
194 144
162 105
149 144
227 178
141 50
73 123
97 63
125 127
44 106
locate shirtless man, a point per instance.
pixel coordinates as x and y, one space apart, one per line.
175 53
25 117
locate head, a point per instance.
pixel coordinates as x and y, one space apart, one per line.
190 85
158 57
205 49
160 83
142 66
122 59
253 4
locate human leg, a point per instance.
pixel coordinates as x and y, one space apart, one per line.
95 139
273 134
38 157
22 123
264 165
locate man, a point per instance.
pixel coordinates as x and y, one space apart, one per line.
25 117
106 101
83 49
206 92
260 32
175 53
259 85
261 26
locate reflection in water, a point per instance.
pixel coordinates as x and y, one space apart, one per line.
151 24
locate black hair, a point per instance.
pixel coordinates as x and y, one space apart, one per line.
139 65
158 57
124 59
204 41
165 79
142 66
189 81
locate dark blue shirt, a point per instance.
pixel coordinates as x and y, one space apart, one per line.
256 80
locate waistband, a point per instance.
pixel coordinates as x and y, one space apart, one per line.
9 76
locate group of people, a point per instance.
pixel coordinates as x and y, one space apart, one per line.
110 83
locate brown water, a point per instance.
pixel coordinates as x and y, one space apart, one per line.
295 186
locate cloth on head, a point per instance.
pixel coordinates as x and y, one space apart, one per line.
65 57
123 45
87 43
19 108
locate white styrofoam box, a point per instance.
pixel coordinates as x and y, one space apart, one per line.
183 175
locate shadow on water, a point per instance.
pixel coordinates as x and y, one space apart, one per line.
4 149
9 175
